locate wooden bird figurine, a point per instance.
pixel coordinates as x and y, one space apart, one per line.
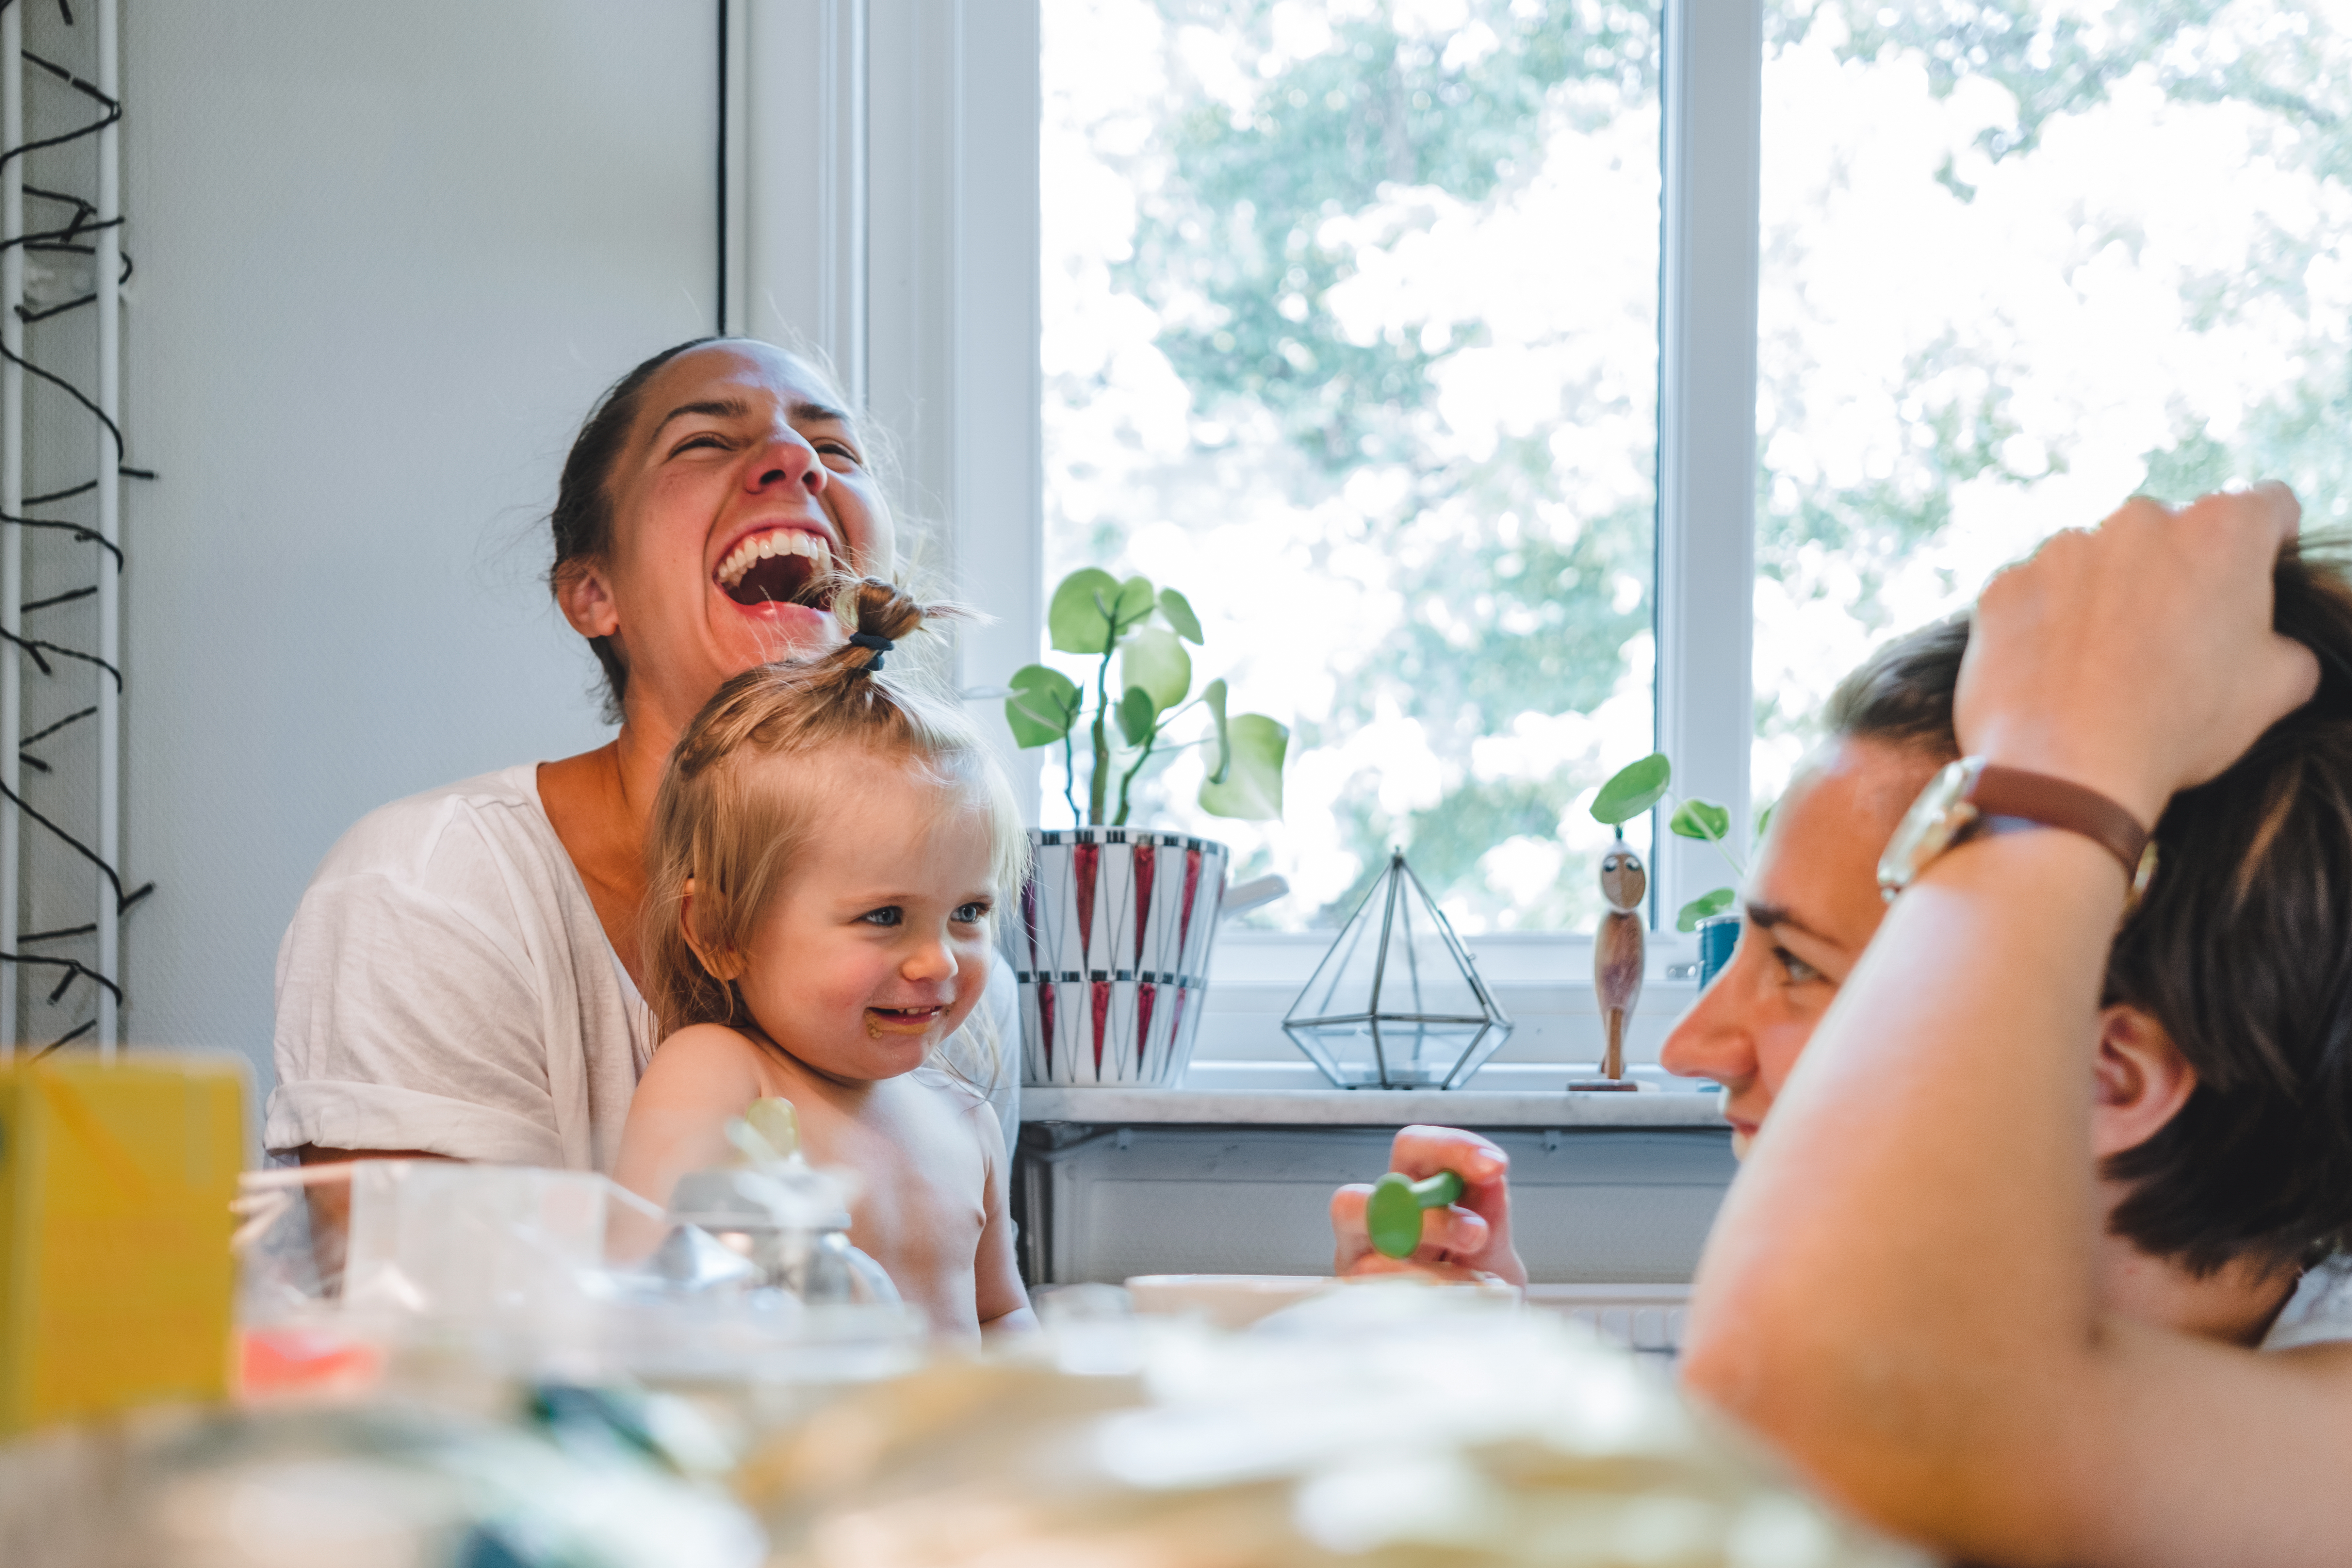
1618 950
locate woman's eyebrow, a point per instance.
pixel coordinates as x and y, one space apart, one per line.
1770 917
723 409
736 408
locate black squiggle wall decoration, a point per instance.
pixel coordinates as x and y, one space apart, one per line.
66 224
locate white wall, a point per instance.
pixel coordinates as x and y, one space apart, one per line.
387 254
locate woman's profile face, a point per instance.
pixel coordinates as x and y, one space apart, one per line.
1811 907
741 486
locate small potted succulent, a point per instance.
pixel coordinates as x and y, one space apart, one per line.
1112 950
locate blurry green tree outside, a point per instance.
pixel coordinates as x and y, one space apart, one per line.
1350 316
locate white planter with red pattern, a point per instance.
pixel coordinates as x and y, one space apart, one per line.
1110 947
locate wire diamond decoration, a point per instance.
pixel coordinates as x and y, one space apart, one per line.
1397 1003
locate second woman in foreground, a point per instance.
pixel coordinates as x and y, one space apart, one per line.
825 857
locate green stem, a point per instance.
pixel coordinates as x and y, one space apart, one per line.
1070 772
1128 777
1098 780
1737 868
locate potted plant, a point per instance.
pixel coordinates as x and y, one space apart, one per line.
1111 951
1635 789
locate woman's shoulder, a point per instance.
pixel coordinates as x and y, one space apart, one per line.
408 837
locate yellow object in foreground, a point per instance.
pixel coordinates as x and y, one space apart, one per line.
115 1274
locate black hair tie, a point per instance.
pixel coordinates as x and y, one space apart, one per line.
880 644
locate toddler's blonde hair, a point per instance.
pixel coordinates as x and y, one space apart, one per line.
730 825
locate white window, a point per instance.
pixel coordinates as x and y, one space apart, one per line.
1350 333
2016 260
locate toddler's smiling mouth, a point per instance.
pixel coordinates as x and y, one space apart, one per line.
881 1021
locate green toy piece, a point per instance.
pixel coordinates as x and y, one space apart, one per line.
767 1134
1393 1213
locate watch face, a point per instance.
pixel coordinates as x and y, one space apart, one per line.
1928 829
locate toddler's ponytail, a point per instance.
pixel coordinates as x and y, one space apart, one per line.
878 616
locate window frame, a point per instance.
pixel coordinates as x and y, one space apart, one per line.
891 197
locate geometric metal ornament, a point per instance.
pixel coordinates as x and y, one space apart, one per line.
1397 1003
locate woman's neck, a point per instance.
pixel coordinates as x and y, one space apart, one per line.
598 803
2235 1304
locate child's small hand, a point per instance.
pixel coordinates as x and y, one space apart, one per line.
1471 1239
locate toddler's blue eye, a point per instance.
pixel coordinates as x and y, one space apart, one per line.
971 913
887 915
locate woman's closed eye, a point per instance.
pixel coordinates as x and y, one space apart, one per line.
1795 971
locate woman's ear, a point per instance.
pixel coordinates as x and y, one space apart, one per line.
724 967
587 601
2139 1083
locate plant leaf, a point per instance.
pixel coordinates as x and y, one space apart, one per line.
1134 604
1136 713
1700 819
1178 611
1214 696
1079 618
1698 908
1043 705
1763 821
1153 660
1636 787
1253 782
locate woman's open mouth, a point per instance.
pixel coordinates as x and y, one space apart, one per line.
881 1021
781 566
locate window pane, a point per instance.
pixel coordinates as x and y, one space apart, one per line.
1350 334
2020 260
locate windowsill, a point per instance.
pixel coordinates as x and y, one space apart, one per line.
1293 1093
1246 955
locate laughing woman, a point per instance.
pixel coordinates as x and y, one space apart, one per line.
461 978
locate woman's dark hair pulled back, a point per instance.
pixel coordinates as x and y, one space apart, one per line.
582 521
2242 948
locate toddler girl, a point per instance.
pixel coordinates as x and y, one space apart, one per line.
826 856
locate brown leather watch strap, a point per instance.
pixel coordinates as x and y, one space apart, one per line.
2055 802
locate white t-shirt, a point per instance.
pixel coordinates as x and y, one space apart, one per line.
445 986
2320 1311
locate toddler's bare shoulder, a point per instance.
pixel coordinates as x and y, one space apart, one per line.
702 1053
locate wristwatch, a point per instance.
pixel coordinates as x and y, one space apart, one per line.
1972 792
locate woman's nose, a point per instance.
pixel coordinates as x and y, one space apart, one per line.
786 460
1712 1040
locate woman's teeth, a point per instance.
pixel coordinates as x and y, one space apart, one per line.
779 541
